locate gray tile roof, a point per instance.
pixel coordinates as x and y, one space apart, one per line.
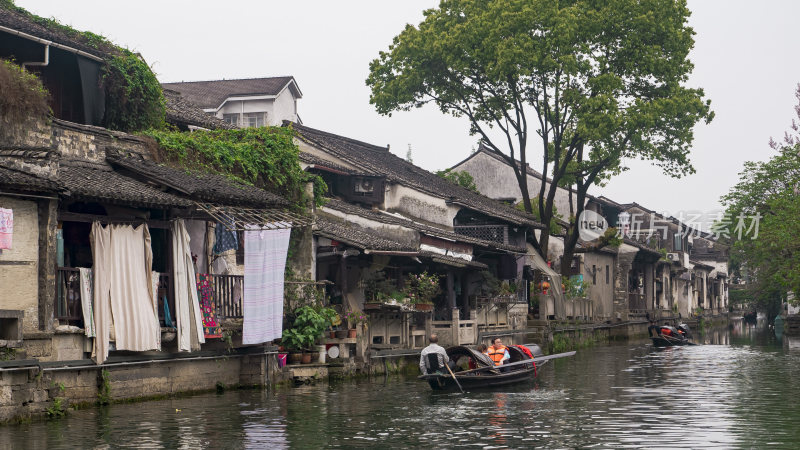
359 237
452 261
20 20
96 181
198 186
211 94
429 230
374 159
182 113
15 179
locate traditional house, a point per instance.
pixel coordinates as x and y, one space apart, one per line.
388 219
649 275
102 243
251 102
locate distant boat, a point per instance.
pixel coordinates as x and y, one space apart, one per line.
671 336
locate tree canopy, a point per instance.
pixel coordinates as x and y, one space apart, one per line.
597 82
761 222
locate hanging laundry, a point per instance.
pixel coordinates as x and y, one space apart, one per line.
101 257
6 227
87 295
188 316
132 302
167 316
225 237
264 263
205 292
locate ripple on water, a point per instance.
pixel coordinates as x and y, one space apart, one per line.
620 396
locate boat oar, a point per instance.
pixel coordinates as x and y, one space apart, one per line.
454 378
519 363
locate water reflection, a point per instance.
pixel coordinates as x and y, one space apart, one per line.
738 390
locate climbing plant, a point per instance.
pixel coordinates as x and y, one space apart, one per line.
264 157
134 100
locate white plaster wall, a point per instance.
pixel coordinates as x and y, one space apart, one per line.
19 279
236 107
278 109
496 179
283 108
418 205
310 149
387 229
602 293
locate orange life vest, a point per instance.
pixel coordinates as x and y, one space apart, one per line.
497 354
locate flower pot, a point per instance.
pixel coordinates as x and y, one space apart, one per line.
423 307
306 358
294 358
333 334
351 333
341 334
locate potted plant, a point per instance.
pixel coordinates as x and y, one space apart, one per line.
422 289
354 319
309 325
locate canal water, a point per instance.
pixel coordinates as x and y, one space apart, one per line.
739 390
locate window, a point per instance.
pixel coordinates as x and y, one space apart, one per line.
594 274
677 244
253 119
608 274
232 119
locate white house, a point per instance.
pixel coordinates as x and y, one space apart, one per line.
251 102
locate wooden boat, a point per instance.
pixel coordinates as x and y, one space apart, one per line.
520 368
667 341
671 336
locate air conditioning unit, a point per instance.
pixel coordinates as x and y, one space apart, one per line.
674 257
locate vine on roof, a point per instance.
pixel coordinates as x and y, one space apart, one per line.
134 100
265 157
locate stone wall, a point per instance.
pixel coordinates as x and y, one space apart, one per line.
29 392
19 266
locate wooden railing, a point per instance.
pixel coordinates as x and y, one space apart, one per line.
68 296
228 292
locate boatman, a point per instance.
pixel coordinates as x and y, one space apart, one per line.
433 347
498 352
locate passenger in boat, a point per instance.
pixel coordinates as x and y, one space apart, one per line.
498 352
652 330
434 347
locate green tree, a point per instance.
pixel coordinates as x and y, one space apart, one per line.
761 223
596 82
459 177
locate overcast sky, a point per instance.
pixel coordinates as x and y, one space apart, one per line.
745 58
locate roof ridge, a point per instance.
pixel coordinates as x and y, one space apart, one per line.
337 136
228 79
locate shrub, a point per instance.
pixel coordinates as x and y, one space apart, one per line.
134 100
23 93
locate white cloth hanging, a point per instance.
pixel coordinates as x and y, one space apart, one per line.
101 246
87 297
132 301
265 254
187 307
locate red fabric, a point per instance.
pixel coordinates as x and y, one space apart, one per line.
527 351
